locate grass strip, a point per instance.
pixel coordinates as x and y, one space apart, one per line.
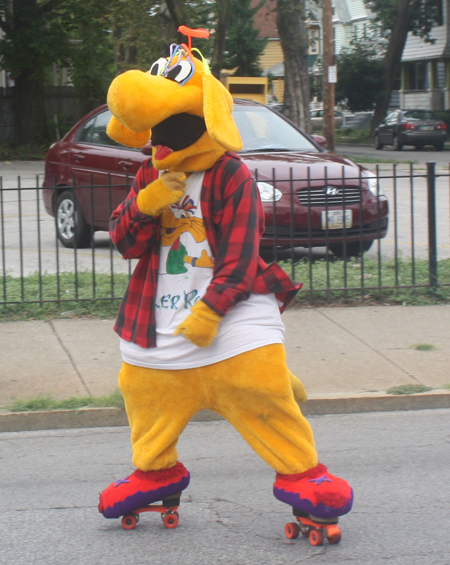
366 281
408 389
330 282
46 403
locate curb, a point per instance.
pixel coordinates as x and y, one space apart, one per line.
330 404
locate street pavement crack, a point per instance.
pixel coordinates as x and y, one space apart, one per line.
71 359
370 347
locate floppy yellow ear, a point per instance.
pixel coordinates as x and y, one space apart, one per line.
125 136
217 106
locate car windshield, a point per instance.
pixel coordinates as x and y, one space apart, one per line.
420 115
264 130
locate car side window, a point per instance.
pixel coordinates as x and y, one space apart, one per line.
94 131
85 132
392 118
99 135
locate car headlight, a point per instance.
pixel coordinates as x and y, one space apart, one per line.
268 192
373 182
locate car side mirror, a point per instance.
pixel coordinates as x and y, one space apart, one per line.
320 140
147 149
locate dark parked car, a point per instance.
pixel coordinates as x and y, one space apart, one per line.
306 191
411 127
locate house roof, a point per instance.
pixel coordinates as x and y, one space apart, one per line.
266 19
416 49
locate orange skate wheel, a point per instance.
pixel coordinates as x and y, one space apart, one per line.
291 530
334 534
316 537
170 520
129 522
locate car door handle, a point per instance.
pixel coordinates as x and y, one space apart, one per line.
125 164
78 157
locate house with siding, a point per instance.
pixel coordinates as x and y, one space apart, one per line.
351 20
425 71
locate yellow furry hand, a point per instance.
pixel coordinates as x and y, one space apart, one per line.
204 260
161 193
201 326
297 388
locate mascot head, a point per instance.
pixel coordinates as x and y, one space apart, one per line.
180 106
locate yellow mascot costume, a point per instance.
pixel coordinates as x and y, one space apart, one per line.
200 322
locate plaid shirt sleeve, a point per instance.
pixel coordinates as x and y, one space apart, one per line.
131 231
136 235
234 228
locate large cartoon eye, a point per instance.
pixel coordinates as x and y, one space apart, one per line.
158 67
180 72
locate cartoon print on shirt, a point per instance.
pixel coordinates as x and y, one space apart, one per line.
175 221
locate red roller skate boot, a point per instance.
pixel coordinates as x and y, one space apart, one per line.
141 489
317 499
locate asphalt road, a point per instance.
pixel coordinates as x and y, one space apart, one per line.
24 251
397 463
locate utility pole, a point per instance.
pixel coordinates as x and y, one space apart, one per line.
329 73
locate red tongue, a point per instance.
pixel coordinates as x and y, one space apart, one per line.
162 152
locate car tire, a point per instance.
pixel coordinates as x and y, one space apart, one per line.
352 249
377 143
398 145
71 227
439 146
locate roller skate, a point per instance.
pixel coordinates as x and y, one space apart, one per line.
133 495
318 499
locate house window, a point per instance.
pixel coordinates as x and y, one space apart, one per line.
314 41
417 76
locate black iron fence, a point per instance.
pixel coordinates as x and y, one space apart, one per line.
366 237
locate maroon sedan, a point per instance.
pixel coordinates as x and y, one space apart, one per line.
311 198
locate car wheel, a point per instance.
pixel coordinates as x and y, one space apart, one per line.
398 146
352 249
377 143
71 227
439 146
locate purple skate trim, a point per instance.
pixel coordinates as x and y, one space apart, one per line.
305 505
140 499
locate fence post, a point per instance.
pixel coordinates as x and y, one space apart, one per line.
432 238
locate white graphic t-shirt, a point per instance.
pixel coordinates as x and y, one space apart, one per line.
185 271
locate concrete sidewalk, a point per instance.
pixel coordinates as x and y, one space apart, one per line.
346 357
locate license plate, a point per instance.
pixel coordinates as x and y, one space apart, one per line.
426 128
334 219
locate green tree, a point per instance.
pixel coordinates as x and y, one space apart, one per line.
40 33
360 78
243 46
33 39
397 18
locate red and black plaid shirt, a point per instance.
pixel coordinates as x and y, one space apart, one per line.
234 222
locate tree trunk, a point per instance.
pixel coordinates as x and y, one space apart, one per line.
29 108
393 57
30 127
223 15
294 42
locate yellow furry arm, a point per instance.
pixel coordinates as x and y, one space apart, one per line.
161 193
297 388
201 326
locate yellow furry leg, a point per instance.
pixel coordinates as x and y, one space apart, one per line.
253 391
159 405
